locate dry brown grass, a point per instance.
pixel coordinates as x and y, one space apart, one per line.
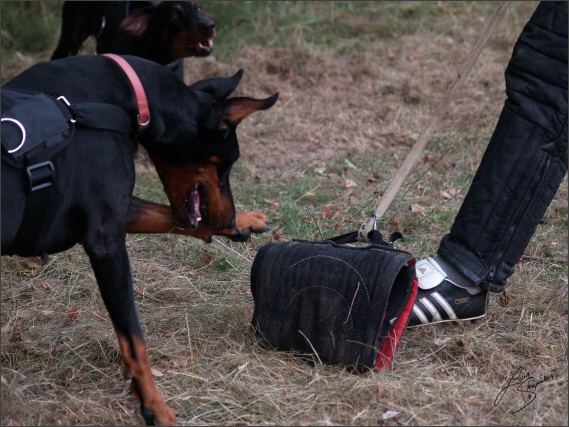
360 99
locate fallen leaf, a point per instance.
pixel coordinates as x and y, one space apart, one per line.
428 158
47 286
349 183
354 200
441 341
417 208
47 312
156 372
180 362
142 292
389 414
380 389
4 380
71 317
320 171
168 249
394 223
338 213
277 235
325 212
33 265
273 204
445 194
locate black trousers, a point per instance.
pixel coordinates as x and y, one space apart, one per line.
525 161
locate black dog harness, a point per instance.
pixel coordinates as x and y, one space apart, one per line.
35 127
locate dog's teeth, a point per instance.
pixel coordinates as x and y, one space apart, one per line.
209 43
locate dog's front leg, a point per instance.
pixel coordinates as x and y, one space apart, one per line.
149 217
109 259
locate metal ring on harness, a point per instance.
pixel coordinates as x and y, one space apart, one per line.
17 122
64 99
142 124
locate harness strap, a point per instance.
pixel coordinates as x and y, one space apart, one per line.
40 177
101 116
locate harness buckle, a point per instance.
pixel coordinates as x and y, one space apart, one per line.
40 175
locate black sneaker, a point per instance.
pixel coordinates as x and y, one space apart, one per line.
439 300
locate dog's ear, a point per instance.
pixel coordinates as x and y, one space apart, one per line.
218 87
241 107
136 23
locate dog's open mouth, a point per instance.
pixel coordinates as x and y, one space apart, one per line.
196 205
204 47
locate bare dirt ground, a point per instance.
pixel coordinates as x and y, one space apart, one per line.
372 98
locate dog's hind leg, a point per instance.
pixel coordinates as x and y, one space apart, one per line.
79 20
109 259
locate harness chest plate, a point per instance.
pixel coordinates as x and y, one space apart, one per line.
33 125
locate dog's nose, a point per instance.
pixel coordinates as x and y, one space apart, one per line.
208 26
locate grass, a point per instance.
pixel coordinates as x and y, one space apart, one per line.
357 82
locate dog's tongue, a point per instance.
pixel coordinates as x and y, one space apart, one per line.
195 216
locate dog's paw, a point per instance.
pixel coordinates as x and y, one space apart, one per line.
165 417
245 224
253 221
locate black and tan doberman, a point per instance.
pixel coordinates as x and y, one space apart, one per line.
70 131
161 32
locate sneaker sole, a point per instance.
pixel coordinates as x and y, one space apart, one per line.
472 319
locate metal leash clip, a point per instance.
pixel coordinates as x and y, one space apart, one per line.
367 227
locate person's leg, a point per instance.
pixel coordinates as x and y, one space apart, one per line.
520 172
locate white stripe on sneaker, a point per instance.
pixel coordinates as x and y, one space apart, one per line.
420 314
436 316
443 302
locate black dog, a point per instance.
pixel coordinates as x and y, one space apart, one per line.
162 33
70 178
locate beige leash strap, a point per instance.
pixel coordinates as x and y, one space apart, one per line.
414 155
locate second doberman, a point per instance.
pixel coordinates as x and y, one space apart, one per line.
161 32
